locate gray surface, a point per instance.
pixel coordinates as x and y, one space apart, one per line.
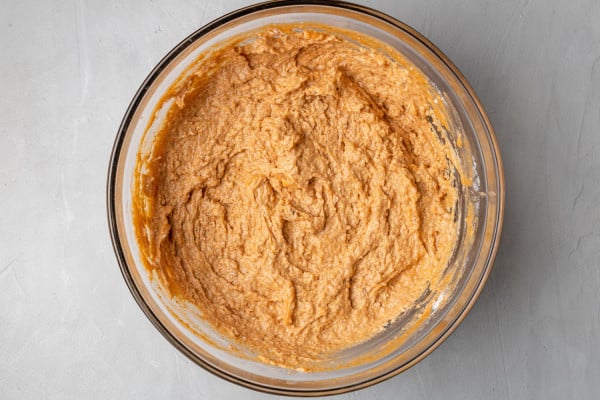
69 327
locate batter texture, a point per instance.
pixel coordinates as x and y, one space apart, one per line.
298 193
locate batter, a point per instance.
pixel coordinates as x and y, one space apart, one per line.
298 193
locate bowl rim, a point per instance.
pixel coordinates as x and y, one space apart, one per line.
118 145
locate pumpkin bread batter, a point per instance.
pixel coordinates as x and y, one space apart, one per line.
298 193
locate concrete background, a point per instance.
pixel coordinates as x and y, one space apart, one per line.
69 327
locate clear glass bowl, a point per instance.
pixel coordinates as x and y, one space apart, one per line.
396 348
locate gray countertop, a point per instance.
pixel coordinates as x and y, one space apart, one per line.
69 327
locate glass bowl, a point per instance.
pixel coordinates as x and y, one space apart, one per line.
404 342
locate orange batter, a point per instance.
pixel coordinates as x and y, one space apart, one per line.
298 193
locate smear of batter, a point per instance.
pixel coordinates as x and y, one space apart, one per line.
297 193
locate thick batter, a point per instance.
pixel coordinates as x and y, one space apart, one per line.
298 193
